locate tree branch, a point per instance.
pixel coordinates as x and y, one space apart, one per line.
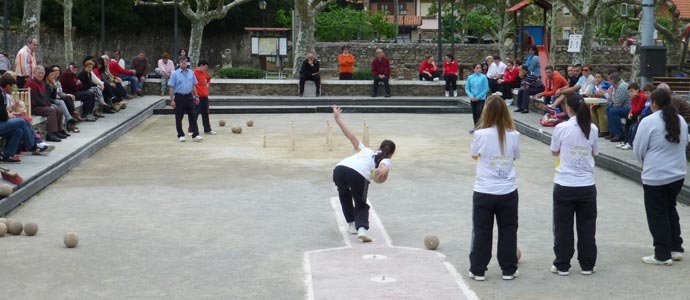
576 12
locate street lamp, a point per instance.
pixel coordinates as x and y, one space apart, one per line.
262 7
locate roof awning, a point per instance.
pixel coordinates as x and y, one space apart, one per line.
405 20
542 3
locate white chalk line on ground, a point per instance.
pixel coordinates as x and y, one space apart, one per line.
342 225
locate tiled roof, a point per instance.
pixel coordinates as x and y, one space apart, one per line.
683 8
406 20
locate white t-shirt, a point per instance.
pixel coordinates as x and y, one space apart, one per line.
575 164
496 69
495 171
363 161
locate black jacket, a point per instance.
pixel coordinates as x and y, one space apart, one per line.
309 69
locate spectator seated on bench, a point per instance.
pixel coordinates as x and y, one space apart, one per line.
381 69
309 71
530 85
619 108
600 90
428 71
510 80
41 106
554 82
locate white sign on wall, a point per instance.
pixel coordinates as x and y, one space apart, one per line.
574 43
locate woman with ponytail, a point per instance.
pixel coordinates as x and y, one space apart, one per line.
660 146
574 193
352 174
495 145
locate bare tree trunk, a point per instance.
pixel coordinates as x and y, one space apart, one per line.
305 41
504 22
67 31
31 23
195 37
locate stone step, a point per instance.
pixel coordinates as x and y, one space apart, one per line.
285 109
327 101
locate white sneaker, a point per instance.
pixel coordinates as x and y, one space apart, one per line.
620 145
589 272
498 94
676 256
447 94
211 132
181 139
198 138
653 261
190 134
476 277
435 78
455 93
556 271
363 235
351 229
511 277
626 147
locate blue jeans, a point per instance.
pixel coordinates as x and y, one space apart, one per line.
133 83
12 131
28 136
614 115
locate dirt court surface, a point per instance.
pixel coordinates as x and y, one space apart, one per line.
229 219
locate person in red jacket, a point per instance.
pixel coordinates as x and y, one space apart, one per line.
637 102
510 80
128 75
450 74
381 69
428 70
553 82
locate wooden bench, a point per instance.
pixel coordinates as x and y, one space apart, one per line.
679 85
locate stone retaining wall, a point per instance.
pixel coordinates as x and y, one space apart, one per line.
260 87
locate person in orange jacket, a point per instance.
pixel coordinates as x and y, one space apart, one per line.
553 82
346 64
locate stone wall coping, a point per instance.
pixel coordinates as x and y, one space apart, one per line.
325 82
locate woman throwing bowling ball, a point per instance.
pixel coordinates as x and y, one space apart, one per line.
352 174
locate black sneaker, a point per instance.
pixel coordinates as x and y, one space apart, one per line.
42 149
10 159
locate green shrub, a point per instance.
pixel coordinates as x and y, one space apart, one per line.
363 75
240 73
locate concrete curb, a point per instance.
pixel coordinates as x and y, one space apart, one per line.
36 183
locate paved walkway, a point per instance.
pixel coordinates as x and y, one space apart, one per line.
230 219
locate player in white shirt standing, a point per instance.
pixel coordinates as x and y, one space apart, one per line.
574 193
495 146
351 175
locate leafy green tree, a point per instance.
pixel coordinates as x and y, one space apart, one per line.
342 24
382 27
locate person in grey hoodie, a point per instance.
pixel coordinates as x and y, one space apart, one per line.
660 146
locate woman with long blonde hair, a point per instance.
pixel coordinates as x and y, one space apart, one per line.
495 146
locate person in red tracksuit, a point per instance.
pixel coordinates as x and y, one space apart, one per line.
510 80
450 74
428 70
381 69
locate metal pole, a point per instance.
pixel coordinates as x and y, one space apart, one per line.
452 28
5 41
440 43
395 18
176 37
102 26
647 34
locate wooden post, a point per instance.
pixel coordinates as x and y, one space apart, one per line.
264 138
292 136
365 134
